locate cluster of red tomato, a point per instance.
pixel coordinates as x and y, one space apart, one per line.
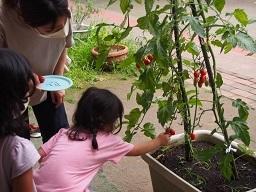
200 78
171 132
147 60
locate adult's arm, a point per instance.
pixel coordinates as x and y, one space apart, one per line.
58 96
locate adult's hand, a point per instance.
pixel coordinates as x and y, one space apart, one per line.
38 78
58 97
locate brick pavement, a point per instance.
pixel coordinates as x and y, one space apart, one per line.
239 86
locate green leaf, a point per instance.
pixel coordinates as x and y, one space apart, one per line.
149 130
109 38
111 2
131 92
241 130
101 58
145 99
147 79
133 117
219 80
232 39
225 166
149 5
128 135
143 23
192 48
246 42
243 109
165 111
125 33
124 5
166 87
211 20
195 101
196 26
228 47
219 4
217 43
241 16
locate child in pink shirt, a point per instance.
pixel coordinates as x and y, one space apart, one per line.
71 158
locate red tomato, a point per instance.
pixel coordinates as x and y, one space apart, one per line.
150 57
196 74
170 131
146 61
203 72
200 84
202 78
192 136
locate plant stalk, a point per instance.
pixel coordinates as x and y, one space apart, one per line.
186 110
216 98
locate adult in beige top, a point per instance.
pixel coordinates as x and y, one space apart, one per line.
40 30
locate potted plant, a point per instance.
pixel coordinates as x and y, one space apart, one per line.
183 34
109 51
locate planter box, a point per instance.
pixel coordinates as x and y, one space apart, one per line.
164 180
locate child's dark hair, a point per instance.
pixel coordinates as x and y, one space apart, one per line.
97 110
16 80
40 12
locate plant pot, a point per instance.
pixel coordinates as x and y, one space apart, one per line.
116 54
164 180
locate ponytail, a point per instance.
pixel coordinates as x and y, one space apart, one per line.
94 140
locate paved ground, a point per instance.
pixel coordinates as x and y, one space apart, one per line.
239 74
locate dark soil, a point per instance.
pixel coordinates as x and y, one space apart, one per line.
207 176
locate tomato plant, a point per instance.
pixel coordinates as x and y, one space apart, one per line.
193 27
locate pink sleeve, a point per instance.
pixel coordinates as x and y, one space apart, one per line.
118 149
46 147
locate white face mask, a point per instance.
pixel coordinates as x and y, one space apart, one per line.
59 34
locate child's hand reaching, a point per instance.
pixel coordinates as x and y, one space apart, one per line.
163 139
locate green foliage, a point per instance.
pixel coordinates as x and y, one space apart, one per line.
226 166
83 67
219 4
193 27
241 16
219 80
196 26
149 130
